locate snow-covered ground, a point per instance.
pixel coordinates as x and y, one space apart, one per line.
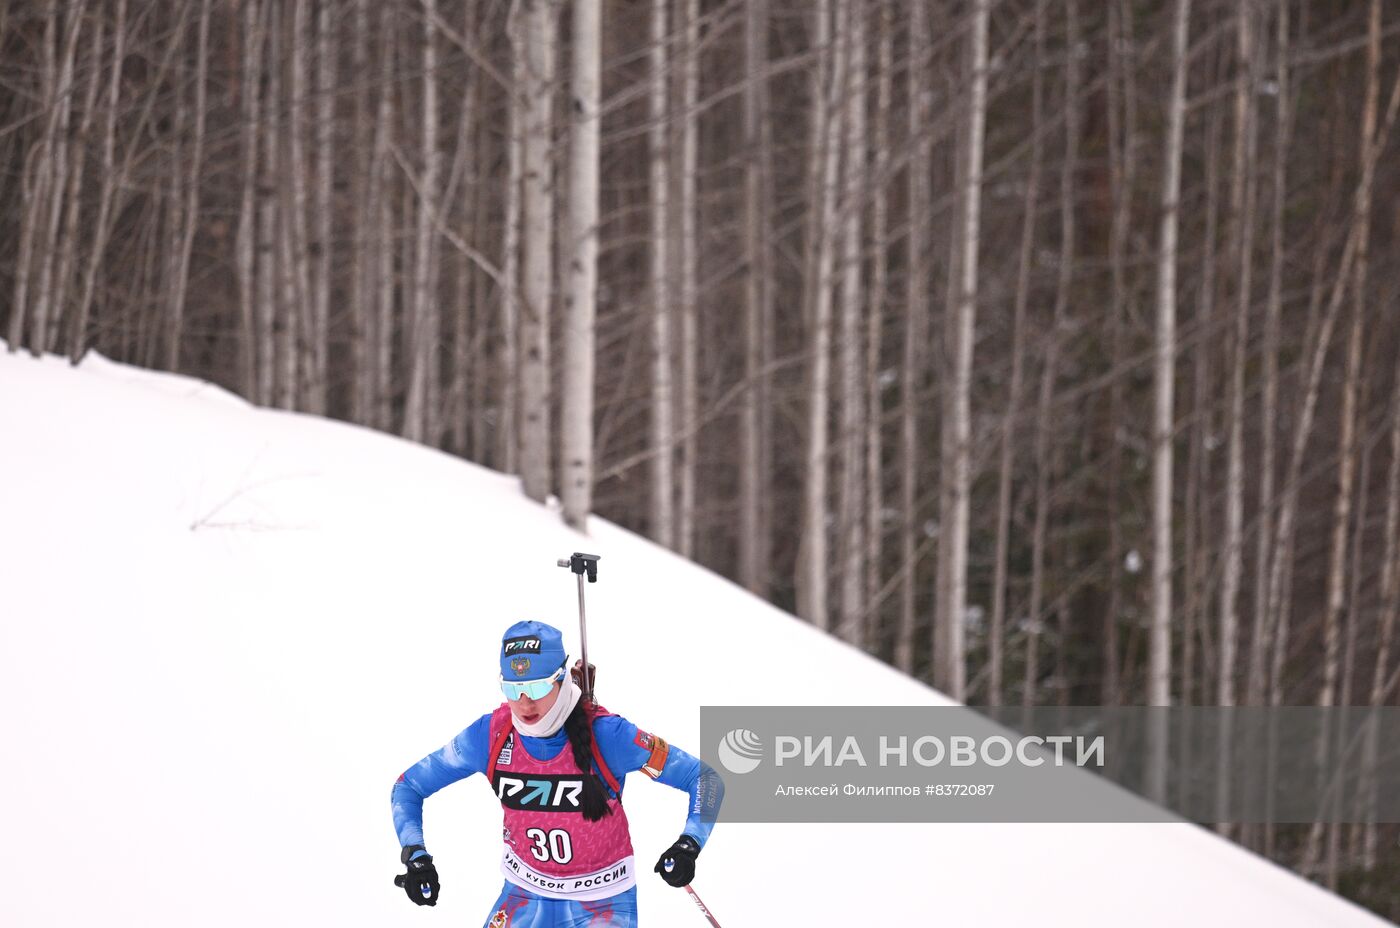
224 631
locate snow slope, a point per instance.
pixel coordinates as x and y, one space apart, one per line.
224 631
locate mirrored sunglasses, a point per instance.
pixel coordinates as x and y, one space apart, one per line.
535 689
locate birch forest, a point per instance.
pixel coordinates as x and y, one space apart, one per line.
1045 349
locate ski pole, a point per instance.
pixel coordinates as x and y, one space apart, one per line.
703 910
583 565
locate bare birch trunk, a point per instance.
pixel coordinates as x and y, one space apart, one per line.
1268 403
538 259
996 632
265 226
155 336
281 363
31 195
155 256
1347 696
483 389
190 213
461 419
875 327
382 345
662 522
1198 523
508 432
297 232
915 321
753 535
458 409
1242 248
369 194
245 248
580 289
73 201
1122 112
33 182
430 324
850 502
1045 466
950 665
944 352
812 602
1159 671
361 272
1346 454
690 284
400 324
326 94
56 159
379 288
423 327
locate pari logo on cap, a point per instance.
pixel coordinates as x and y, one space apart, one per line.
528 644
531 650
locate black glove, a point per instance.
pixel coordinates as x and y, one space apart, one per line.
677 865
421 880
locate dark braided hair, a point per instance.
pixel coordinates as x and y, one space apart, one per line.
579 728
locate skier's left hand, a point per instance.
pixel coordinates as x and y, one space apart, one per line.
677 864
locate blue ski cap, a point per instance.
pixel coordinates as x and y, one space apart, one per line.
531 651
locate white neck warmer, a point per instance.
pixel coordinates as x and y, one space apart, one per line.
553 720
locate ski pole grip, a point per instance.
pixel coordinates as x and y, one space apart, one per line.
582 564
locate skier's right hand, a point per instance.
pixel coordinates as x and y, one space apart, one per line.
421 880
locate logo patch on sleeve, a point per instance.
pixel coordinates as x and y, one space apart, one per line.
656 761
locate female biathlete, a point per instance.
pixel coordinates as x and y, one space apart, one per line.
557 763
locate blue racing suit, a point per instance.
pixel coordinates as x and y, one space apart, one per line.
624 749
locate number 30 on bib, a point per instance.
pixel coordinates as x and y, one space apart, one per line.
552 845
